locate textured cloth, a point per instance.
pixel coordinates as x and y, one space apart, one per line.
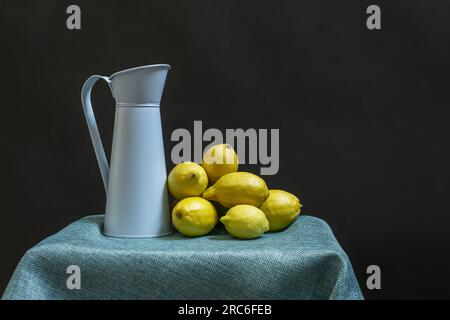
303 262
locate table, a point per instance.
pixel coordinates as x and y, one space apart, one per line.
303 262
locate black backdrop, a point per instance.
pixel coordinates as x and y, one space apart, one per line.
363 115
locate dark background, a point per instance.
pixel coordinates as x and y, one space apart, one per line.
363 115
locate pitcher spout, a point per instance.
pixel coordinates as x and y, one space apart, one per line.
139 87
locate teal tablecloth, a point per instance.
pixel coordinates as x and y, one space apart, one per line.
303 262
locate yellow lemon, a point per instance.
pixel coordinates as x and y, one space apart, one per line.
238 188
220 160
281 208
194 216
245 222
187 179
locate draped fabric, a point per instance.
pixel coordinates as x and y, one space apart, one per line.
303 262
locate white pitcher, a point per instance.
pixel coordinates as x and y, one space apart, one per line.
137 200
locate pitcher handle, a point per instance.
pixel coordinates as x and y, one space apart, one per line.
92 125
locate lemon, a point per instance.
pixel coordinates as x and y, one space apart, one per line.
187 179
281 208
238 188
220 160
194 216
245 222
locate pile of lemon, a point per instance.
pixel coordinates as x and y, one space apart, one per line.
251 208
